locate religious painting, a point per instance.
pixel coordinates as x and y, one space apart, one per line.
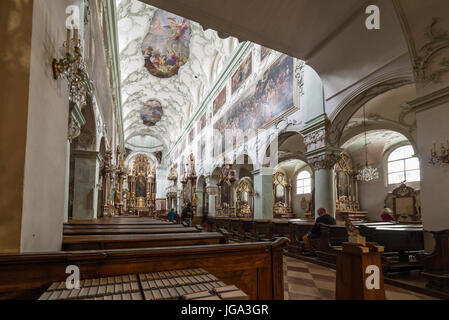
191 136
166 47
268 98
264 53
220 101
152 113
242 73
202 123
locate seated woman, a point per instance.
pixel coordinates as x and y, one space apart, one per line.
387 215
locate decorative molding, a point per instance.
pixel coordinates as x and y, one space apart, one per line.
76 122
315 140
299 75
324 161
430 100
438 41
355 101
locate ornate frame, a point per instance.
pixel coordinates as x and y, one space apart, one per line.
245 210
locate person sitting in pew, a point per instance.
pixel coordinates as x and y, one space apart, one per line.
171 214
324 218
387 215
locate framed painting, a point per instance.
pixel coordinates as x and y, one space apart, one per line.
268 98
220 101
242 73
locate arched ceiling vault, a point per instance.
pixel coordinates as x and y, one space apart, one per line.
179 94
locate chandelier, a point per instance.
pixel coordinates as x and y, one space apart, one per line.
367 173
74 70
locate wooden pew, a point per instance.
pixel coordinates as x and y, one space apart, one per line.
329 243
263 230
281 228
121 241
246 232
121 226
27 276
297 231
403 245
436 265
111 231
234 227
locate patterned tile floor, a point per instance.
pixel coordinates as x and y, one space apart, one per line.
308 281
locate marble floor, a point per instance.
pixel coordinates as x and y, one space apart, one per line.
308 281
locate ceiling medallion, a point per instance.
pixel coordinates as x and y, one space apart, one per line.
166 47
152 113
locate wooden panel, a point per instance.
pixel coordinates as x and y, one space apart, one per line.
245 265
100 242
107 231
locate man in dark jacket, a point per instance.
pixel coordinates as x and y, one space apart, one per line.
324 218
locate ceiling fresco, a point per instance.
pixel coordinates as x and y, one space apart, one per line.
152 113
193 60
166 47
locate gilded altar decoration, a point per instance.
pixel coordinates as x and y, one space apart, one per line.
142 186
225 206
406 203
172 191
282 192
189 184
152 113
166 47
245 199
108 208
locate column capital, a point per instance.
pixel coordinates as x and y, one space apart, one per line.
324 160
263 172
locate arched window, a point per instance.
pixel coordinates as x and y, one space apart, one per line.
304 183
403 166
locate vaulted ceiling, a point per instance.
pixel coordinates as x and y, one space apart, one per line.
178 95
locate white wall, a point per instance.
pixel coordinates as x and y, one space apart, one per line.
45 163
433 128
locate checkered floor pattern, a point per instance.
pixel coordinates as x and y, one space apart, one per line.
307 281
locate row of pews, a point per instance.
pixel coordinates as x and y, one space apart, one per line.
403 243
113 247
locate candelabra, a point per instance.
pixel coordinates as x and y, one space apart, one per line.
73 69
442 157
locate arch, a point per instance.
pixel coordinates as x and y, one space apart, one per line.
359 97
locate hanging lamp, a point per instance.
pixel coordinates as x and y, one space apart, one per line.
367 173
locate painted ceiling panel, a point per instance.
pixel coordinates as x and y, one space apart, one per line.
179 94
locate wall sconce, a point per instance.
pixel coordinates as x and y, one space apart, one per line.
73 69
442 157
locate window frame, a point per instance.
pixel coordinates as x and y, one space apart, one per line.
303 186
403 161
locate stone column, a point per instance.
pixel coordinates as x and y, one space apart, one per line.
212 192
161 182
324 182
322 157
179 202
85 198
263 197
199 203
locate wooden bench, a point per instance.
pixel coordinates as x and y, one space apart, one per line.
121 241
297 231
263 230
436 264
403 245
256 268
280 228
329 243
161 230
